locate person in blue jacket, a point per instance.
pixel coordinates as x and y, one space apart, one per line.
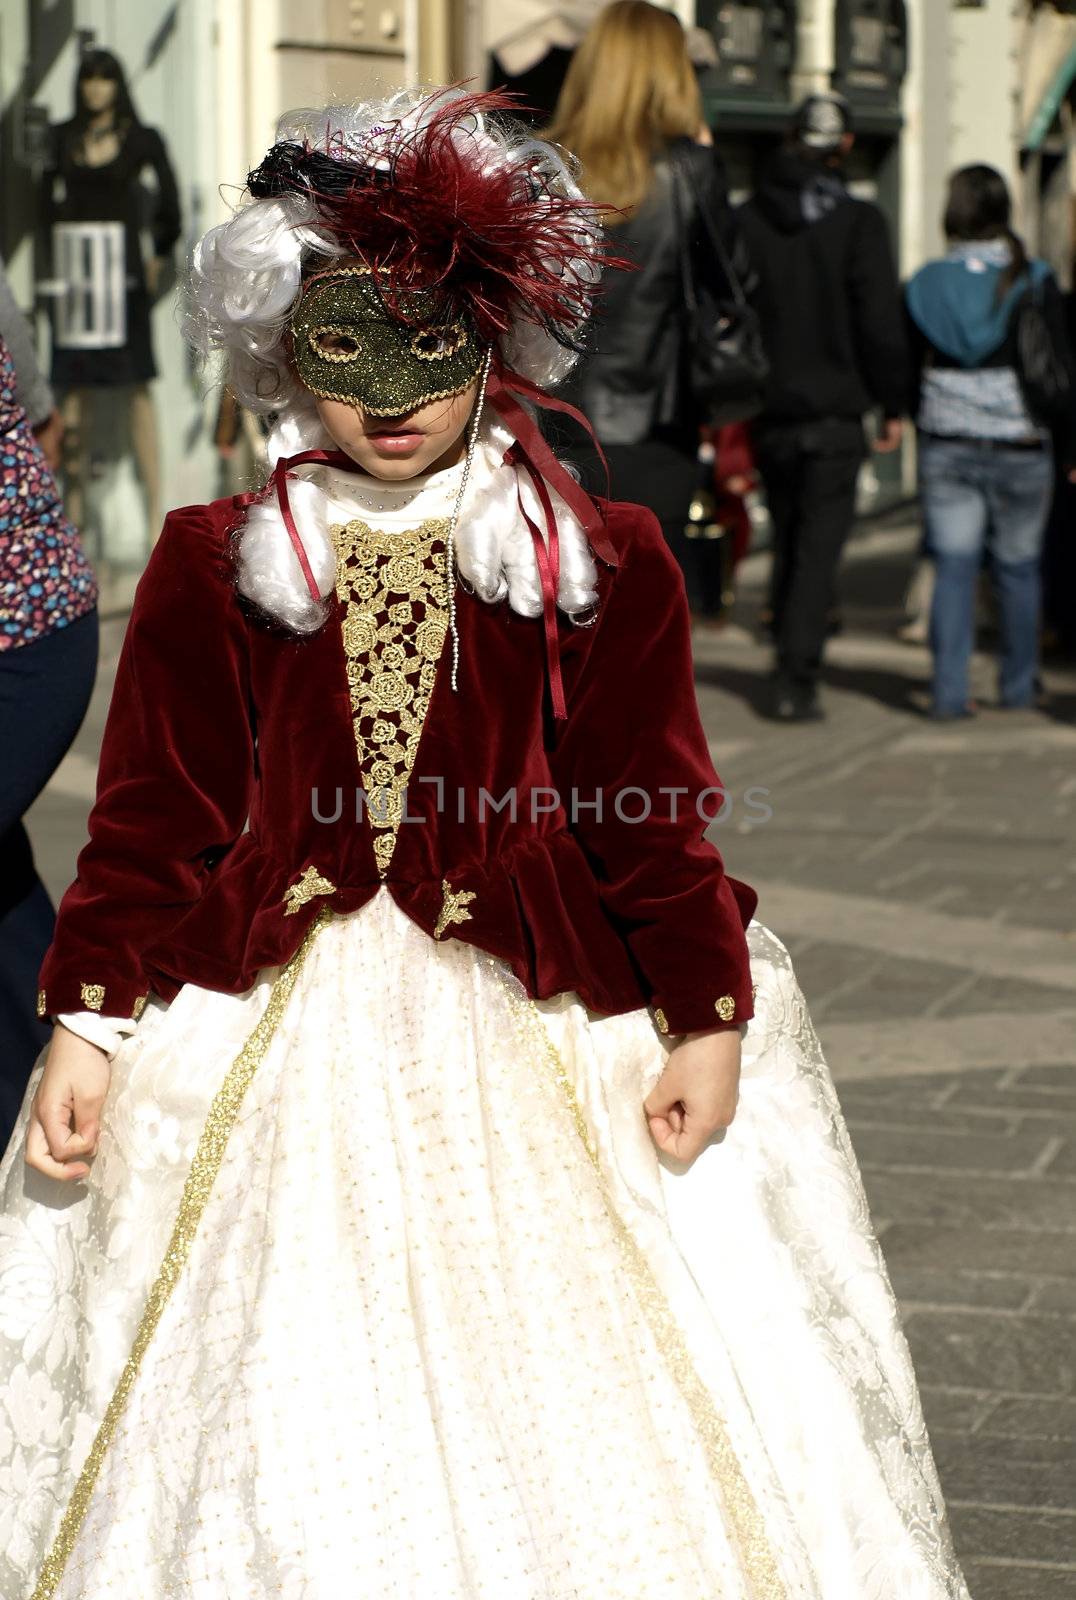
986 459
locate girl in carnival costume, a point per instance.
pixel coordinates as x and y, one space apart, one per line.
399 991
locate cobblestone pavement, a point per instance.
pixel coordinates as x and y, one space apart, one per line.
924 877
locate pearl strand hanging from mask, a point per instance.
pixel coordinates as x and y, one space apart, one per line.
450 542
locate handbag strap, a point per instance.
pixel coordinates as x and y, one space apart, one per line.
682 166
691 299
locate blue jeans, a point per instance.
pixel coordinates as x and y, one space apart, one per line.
979 498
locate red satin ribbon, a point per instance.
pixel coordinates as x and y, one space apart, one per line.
531 453
502 390
279 480
547 556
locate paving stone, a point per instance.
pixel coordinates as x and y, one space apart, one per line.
949 1200
1004 1582
985 1471
1058 1076
980 1249
1034 1099
916 1089
897 988
897 1115
955 1410
1057 1297
975 1152
1063 1164
1008 994
1014 1535
1025 1418
915 1284
989 1350
1024 1451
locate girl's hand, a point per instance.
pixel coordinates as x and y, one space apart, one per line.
696 1094
65 1117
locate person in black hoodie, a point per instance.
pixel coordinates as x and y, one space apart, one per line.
829 301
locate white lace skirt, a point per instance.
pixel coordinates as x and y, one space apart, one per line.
379 1289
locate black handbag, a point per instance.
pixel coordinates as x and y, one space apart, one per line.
726 366
1044 373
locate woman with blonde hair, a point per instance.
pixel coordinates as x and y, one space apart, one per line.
631 112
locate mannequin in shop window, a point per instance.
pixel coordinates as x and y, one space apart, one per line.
106 282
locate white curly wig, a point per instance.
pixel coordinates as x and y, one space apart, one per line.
246 280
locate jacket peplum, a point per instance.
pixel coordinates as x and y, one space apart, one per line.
230 808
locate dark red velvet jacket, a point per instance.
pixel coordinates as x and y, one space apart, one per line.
219 718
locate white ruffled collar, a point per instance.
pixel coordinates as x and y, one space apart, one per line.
412 500
494 551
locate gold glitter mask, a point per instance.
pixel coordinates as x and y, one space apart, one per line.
349 345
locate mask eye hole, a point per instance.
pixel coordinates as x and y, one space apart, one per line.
435 344
335 343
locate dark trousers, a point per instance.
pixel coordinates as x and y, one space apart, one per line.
45 688
660 472
810 471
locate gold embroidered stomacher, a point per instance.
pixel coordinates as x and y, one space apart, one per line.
395 597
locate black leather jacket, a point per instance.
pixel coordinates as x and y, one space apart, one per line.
630 383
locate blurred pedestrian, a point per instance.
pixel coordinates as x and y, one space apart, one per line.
631 111
32 391
829 302
719 517
48 657
100 214
985 457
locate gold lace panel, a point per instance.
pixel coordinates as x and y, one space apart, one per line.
393 588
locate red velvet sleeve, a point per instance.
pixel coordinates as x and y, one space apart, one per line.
633 731
175 775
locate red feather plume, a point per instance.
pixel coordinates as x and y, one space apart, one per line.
424 207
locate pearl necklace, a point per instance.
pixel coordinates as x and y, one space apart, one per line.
450 542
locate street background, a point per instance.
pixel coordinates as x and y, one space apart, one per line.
923 876
933 83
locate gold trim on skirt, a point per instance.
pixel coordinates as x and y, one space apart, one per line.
747 1524
745 1519
193 1201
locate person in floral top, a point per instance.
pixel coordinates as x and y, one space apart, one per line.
48 658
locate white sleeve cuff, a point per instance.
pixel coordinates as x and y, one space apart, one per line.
107 1033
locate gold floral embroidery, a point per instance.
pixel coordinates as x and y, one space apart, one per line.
661 1020
139 1006
453 907
393 589
93 995
42 1004
725 1007
310 884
